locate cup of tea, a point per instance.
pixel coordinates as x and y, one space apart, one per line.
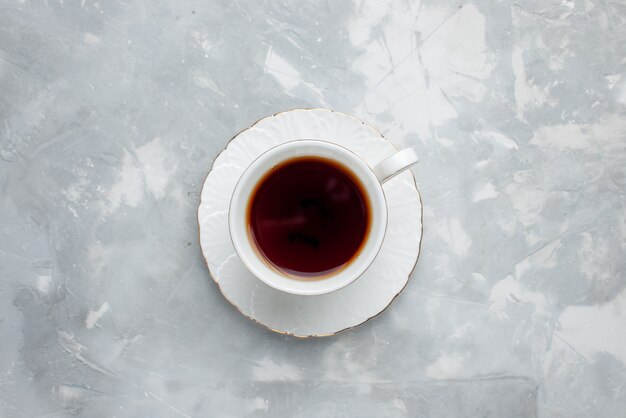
308 217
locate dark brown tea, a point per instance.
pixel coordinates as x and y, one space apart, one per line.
309 216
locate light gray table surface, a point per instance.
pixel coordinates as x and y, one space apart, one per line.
111 113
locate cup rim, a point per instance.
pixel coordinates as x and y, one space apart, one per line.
243 254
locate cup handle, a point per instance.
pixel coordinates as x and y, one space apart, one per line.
395 164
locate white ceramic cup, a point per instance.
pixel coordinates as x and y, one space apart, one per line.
371 178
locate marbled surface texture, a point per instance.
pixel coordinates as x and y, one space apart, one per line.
111 113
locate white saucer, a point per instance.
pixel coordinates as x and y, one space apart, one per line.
305 316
